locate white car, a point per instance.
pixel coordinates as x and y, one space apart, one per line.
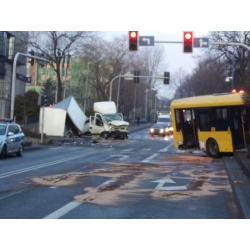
11 138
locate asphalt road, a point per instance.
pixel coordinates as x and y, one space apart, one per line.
138 178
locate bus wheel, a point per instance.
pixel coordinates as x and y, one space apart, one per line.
213 148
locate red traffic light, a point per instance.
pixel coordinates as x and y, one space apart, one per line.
133 40
187 41
133 34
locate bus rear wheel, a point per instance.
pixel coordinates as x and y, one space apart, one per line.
213 148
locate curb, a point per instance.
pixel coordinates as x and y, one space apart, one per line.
240 184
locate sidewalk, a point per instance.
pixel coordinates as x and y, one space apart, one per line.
238 170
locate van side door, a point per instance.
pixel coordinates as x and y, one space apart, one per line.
96 124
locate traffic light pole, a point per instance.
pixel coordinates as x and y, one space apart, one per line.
147 77
13 85
213 43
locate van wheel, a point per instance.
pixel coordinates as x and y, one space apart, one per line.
106 136
213 148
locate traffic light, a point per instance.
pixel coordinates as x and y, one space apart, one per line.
188 42
32 60
167 78
136 79
133 40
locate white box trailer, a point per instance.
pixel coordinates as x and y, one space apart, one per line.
62 119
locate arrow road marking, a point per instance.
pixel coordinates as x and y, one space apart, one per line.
106 183
161 182
121 157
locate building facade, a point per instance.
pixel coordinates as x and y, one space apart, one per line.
11 42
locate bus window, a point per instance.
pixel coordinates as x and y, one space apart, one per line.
204 123
220 119
178 119
187 115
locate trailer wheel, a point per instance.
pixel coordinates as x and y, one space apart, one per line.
213 148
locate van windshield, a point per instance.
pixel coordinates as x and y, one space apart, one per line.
112 117
163 119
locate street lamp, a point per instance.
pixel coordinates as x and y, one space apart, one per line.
146 103
87 82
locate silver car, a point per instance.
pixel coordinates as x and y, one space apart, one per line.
11 138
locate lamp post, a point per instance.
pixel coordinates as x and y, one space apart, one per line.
146 103
87 83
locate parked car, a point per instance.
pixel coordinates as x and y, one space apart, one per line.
11 138
144 120
161 129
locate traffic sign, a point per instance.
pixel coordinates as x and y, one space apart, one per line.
146 40
201 42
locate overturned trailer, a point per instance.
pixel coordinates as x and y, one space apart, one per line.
63 119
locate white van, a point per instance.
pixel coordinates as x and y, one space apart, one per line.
164 118
107 122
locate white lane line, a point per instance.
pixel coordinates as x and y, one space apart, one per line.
63 210
165 149
24 170
150 157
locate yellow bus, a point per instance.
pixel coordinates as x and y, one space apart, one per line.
213 123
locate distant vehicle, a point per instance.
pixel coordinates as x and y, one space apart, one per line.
11 138
164 118
161 129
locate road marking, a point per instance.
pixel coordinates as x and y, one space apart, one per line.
63 210
121 157
24 170
150 157
108 182
128 150
146 149
165 149
162 182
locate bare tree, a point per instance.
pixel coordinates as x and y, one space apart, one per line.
58 46
150 61
101 72
116 59
236 57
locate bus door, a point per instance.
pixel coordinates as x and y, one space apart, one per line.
189 129
238 127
